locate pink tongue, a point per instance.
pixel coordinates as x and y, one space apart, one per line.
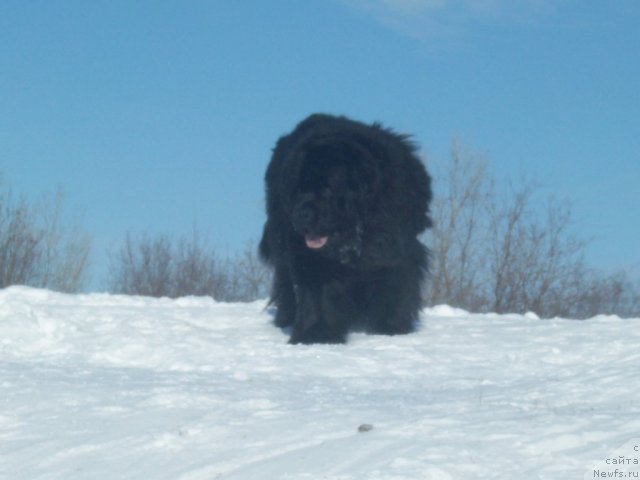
315 242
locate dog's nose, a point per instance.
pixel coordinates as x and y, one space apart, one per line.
304 217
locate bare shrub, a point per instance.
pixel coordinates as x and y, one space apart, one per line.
254 277
532 253
513 251
36 248
143 267
162 266
593 292
459 212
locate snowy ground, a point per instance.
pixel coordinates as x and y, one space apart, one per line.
114 387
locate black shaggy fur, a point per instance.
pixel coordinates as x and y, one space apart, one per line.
345 203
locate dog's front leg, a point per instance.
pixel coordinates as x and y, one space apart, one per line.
322 315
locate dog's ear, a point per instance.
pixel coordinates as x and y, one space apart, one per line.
413 182
282 171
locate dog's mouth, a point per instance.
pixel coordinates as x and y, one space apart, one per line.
315 242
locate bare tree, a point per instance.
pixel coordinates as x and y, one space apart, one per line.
532 253
37 248
460 229
513 252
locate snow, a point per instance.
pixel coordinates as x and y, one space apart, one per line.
101 386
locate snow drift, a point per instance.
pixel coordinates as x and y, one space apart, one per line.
112 387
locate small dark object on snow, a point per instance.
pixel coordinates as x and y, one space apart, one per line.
365 427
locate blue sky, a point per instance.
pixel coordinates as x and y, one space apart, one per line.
157 115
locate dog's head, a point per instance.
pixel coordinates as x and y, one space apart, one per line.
346 191
332 197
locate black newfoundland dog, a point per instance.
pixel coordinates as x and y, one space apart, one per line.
345 203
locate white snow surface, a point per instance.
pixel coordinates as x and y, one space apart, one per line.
100 386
